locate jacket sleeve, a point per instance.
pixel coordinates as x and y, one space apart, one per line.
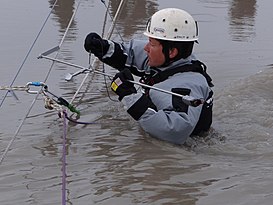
164 120
171 126
130 55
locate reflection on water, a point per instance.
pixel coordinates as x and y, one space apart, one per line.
134 13
63 12
113 162
125 167
242 20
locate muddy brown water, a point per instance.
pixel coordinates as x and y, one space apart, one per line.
113 161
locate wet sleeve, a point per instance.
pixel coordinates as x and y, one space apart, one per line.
115 56
127 54
171 126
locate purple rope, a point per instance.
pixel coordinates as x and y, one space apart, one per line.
64 161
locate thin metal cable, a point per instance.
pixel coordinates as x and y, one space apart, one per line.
103 30
107 12
69 24
111 29
26 57
37 95
109 34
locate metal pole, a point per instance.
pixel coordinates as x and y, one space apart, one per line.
186 99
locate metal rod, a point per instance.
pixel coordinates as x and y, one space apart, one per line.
52 50
63 62
109 34
114 19
187 99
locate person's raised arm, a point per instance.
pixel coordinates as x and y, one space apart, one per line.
107 51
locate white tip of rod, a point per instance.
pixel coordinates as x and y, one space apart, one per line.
68 77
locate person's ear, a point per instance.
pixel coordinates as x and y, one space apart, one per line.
173 53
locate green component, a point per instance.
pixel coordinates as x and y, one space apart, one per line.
73 109
62 101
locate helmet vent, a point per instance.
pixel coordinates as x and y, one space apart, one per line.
175 30
186 22
163 20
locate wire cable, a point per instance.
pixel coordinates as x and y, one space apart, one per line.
37 95
109 34
28 53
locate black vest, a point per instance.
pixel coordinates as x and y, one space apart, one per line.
157 76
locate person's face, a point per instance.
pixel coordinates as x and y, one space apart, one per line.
154 51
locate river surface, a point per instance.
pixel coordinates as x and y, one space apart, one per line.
112 161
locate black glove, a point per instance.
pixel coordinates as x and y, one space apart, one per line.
95 44
120 84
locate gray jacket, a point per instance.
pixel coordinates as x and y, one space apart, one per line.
166 123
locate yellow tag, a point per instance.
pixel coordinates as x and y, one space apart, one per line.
114 86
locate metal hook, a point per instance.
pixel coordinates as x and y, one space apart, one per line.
36 84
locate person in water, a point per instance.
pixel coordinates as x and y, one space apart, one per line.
167 61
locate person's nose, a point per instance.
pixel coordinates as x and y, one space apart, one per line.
146 47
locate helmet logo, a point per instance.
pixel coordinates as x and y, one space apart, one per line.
159 30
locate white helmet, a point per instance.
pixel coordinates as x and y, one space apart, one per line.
173 25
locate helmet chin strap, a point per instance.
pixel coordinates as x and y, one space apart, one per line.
184 49
165 51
